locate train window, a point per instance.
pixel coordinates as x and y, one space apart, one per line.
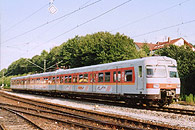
75 79
140 71
61 79
114 76
91 78
69 78
57 77
32 81
128 75
158 71
107 76
44 80
50 80
119 76
85 80
80 78
173 74
53 80
100 77
149 72
66 79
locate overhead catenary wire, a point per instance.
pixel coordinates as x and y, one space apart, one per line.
26 18
79 25
87 22
46 23
154 14
35 64
182 23
179 25
54 65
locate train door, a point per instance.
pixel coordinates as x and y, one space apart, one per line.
117 77
92 80
75 81
140 78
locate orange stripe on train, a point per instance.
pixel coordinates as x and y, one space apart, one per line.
161 86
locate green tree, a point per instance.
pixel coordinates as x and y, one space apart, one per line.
146 49
97 48
2 72
54 57
101 47
18 67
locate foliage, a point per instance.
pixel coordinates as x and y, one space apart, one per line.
185 58
24 65
189 99
146 49
2 72
101 47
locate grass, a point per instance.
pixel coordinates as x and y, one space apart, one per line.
187 100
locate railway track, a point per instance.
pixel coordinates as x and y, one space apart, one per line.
172 110
20 115
2 127
152 108
108 121
62 116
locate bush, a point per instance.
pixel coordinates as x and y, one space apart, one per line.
194 99
190 98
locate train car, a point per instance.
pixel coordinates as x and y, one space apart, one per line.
149 80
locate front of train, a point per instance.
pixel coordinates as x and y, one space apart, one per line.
162 80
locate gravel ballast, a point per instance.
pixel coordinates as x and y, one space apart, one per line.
153 116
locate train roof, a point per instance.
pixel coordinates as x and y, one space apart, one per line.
147 60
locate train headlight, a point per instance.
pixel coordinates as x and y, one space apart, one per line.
178 86
156 85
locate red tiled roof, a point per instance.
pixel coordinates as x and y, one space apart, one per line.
159 45
171 42
167 43
150 45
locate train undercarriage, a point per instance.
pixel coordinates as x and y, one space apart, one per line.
165 97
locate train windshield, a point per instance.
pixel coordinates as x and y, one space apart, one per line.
156 71
173 72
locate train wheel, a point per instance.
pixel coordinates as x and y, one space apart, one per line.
149 104
130 103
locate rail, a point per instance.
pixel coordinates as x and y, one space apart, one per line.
138 124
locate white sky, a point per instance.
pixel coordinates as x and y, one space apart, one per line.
132 19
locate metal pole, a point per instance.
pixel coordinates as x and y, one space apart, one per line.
2 81
44 65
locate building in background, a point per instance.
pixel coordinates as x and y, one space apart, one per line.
159 45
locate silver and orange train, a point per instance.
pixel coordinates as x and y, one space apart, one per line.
149 80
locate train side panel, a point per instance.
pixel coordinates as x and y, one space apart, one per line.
151 78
